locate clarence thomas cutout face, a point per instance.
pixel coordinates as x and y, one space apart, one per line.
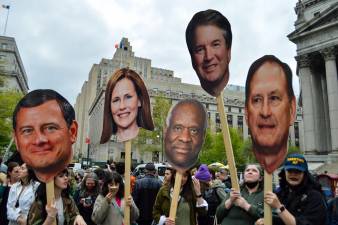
184 134
269 112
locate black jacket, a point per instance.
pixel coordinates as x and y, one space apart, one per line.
144 196
306 203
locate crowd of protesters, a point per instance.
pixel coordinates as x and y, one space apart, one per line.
96 196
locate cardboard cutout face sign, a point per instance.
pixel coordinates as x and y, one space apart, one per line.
270 110
209 38
44 131
185 133
127 106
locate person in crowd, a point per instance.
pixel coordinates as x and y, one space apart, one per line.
63 209
245 206
109 205
85 196
111 166
224 176
3 172
72 182
21 196
101 175
212 191
79 177
144 194
13 173
13 176
190 204
168 173
299 199
126 106
332 208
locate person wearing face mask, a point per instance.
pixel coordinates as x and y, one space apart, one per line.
246 206
299 200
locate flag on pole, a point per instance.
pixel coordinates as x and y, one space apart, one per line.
87 140
5 6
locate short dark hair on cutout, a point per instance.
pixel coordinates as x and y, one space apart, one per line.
208 17
258 63
40 96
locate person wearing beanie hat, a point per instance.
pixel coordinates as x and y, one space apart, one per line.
299 200
213 193
203 173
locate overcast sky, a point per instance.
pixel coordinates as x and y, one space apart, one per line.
59 41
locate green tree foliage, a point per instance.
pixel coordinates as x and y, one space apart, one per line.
151 141
213 149
8 101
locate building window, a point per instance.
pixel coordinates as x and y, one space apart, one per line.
240 123
296 128
229 108
218 123
230 120
218 119
156 156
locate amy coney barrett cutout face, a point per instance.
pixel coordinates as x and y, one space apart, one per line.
126 106
270 108
184 133
208 36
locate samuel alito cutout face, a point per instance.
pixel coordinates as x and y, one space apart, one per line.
269 113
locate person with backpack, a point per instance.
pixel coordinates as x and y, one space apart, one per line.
213 193
244 207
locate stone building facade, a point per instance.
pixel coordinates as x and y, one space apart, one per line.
160 82
12 71
316 37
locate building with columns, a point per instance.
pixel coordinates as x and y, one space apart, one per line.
160 82
316 37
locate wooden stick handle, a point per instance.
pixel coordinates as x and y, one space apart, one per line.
127 165
174 200
267 208
227 142
50 194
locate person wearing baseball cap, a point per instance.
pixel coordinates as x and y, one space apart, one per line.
299 199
